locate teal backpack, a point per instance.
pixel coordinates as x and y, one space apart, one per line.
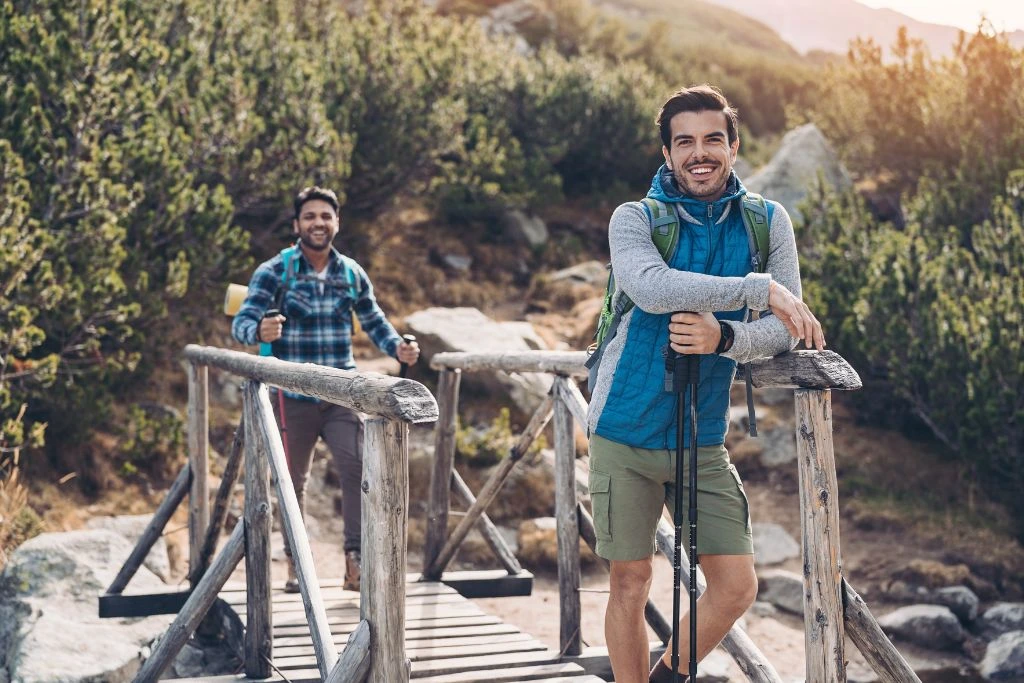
288 277
665 235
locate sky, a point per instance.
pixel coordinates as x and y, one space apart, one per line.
1006 15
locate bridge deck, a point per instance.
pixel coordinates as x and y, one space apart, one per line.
448 638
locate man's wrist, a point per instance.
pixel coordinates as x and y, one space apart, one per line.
727 337
259 339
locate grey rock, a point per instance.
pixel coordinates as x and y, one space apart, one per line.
960 599
457 262
773 396
715 668
589 272
467 329
778 446
527 333
49 627
1004 658
190 662
525 228
763 608
773 544
931 626
739 417
1001 618
781 588
131 527
743 168
793 171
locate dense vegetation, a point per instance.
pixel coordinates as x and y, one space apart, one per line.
922 287
141 141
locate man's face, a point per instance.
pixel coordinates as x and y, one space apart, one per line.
701 156
317 224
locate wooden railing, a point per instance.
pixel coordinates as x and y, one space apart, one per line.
832 608
376 649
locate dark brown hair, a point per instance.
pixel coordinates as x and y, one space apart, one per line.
308 194
698 98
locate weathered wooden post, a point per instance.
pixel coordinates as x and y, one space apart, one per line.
440 476
824 639
258 614
385 533
198 458
567 527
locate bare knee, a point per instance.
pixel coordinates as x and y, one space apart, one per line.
630 581
733 598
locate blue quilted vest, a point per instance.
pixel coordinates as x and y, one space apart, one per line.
639 412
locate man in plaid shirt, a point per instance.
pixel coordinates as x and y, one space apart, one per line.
317 300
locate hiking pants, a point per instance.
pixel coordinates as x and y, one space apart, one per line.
342 430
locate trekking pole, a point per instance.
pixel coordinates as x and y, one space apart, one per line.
266 349
408 339
683 370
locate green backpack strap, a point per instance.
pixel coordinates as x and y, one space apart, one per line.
664 226
755 219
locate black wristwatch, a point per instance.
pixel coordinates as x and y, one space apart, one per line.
725 343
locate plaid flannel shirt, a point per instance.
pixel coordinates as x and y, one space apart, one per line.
318 328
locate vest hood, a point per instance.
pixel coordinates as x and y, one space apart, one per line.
664 188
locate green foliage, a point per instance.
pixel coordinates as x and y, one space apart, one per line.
488 446
154 436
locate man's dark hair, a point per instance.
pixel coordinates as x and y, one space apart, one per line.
698 98
308 194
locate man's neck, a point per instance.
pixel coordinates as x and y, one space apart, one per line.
317 259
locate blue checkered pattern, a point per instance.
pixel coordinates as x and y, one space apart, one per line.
319 323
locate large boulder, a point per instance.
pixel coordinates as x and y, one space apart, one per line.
773 544
467 329
781 588
931 626
960 599
49 628
794 169
131 527
525 228
1004 658
1001 618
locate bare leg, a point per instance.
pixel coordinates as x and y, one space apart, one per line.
624 628
732 588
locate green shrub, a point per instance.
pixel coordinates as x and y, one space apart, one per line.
489 445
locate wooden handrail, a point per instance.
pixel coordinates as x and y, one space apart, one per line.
795 370
372 393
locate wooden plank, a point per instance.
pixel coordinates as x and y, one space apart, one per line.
436 631
557 362
467 618
595 660
486 528
152 532
412 587
373 393
257 514
143 605
339 597
220 505
298 626
306 650
570 395
565 673
203 597
884 659
435 667
499 585
751 661
804 370
824 640
354 664
384 538
438 502
490 490
567 527
434 653
293 527
199 462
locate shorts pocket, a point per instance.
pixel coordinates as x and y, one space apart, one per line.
600 498
743 493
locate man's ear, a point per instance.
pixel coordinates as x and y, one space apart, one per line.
668 158
734 148
295 226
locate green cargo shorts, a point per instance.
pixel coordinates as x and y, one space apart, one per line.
629 487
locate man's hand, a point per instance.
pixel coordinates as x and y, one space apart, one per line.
271 328
408 353
796 316
694 333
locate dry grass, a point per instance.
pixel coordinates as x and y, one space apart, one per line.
13 505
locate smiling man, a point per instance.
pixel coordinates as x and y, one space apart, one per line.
318 291
697 297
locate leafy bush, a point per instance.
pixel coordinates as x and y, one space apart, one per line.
488 446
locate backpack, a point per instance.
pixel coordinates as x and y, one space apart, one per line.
288 277
665 235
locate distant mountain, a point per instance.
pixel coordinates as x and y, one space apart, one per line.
830 25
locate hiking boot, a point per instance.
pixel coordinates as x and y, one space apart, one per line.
292 584
352 560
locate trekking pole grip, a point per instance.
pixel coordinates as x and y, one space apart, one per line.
404 367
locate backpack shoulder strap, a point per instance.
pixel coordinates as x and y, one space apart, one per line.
754 209
664 226
289 257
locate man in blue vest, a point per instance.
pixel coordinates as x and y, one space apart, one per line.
318 292
698 300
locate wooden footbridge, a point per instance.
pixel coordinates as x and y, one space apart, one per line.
425 627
